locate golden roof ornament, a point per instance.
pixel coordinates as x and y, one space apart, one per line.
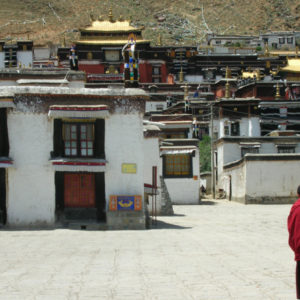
110 16
181 75
277 96
159 40
227 90
267 52
228 72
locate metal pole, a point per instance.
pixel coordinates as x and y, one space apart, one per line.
212 151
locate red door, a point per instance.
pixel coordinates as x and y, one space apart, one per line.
79 190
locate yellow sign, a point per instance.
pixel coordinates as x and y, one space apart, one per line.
129 168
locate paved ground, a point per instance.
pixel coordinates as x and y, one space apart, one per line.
218 250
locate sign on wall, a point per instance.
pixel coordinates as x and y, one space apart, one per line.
125 202
129 168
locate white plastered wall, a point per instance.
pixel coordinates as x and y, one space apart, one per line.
25 58
185 190
31 188
2 58
124 144
151 155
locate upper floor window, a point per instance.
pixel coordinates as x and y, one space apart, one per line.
78 139
290 40
235 129
281 40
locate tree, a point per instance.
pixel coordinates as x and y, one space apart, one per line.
205 154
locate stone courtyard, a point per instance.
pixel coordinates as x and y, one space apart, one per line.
216 250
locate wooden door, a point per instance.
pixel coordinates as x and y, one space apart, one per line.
79 190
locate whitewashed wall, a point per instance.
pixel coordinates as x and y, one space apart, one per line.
124 144
25 58
2 58
151 156
31 189
185 190
249 127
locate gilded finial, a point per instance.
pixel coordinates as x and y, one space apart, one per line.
277 96
258 77
227 90
181 75
64 41
228 72
110 15
267 52
159 40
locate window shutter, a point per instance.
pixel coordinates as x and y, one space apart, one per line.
58 143
100 138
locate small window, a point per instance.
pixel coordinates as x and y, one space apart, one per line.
290 40
235 129
78 140
286 149
177 165
226 130
218 42
249 149
281 40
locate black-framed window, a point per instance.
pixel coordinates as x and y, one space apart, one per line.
177 165
289 40
78 139
286 149
235 129
245 150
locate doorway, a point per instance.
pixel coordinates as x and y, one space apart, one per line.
3 213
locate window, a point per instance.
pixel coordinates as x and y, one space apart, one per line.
281 40
78 139
289 40
249 149
156 74
235 129
226 130
286 149
218 42
274 45
177 165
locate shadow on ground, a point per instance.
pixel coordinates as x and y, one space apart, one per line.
163 225
207 202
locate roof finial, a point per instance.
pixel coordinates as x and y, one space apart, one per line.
110 15
267 52
277 96
228 73
159 40
227 90
181 75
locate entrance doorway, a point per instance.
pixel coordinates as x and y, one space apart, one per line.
80 196
79 190
3 214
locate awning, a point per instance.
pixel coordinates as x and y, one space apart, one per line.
7 103
177 151
6 162
79 165
78 111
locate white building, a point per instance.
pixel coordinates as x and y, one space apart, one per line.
72 156
258 169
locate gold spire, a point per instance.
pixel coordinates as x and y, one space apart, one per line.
267 52
277 96
228 72
159 40
258 77
227 90
181 75
110 16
